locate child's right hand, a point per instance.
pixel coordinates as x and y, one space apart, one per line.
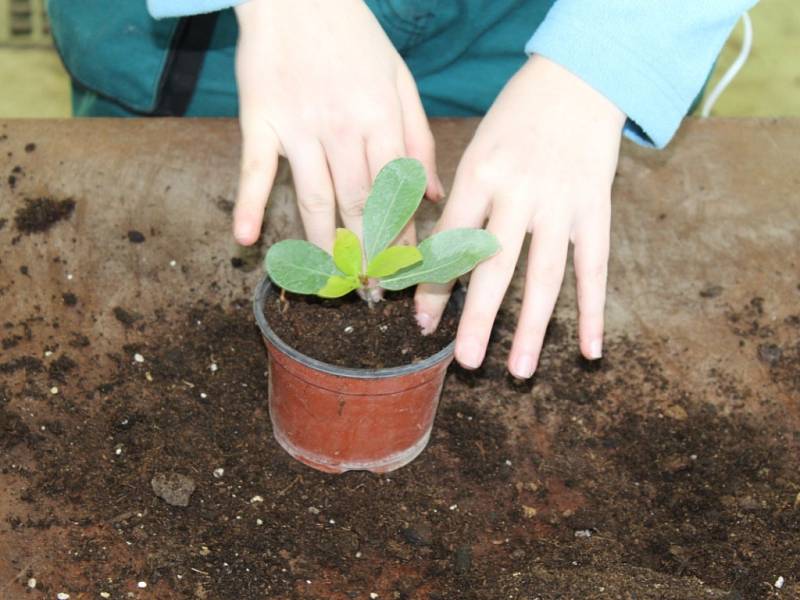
321 84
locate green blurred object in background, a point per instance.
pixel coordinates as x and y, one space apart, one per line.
35 84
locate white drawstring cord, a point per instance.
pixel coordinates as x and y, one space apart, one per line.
733 70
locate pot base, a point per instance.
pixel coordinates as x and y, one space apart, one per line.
327 465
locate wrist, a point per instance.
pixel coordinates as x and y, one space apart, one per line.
572 93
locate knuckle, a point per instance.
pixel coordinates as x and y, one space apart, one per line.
352 207
530 334
593 273
339 126
376 116
491 174
550 275
314 203
252 167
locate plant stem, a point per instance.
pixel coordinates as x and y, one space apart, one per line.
284 302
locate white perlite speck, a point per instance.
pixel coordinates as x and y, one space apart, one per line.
203 395
213 367
373 595
219 472
107 595
62 596
172 263
138 358
779 583
259 522
348 329
255 499
583 533
32 583
142 584
54 390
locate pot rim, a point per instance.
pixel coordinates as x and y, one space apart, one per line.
356 373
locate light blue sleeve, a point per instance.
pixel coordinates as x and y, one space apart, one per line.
649 57
161 9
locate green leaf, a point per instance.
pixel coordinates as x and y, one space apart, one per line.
299 266
337 286
394 198
445 256
347 252
393 259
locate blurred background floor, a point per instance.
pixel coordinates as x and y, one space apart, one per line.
34 83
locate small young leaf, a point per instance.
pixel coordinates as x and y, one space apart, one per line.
393 259
337 286
445 256
299 266
395 196
347 252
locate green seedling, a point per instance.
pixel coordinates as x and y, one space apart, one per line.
303 268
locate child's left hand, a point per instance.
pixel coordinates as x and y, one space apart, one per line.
542 161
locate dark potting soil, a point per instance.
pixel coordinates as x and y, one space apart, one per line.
349 333
40 214
617 477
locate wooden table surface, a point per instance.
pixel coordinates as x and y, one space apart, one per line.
705 247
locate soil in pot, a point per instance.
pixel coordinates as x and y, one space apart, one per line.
349 333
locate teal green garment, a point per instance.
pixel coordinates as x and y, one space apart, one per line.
461 53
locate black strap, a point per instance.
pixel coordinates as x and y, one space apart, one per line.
183 65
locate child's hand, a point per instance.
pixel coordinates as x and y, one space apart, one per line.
320 83
542 161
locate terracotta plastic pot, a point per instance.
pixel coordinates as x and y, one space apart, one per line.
337 419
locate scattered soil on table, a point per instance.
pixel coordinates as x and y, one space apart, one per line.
126 317
348 332
69 298
594 480
14 176
3 223
30 147
135 237
40 214
13 430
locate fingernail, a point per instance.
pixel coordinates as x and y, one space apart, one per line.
241 234
523 366
469 353
425 322
596 349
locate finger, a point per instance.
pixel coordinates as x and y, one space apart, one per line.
546 263
350 173
383 147
408 237
419 140
591 270
315 199
466 207
487 286
258 166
